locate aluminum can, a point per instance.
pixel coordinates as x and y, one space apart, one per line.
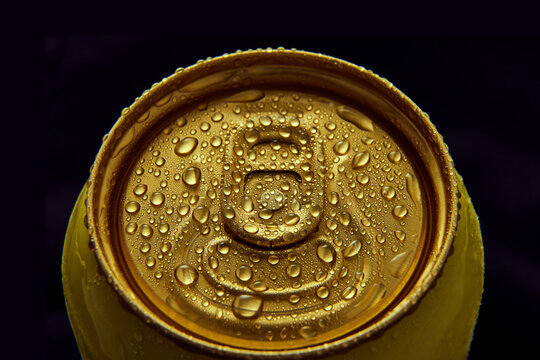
273 204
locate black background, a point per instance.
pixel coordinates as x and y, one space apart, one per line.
482 93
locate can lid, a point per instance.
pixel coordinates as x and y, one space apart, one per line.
272 203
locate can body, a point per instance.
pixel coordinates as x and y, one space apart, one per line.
273 205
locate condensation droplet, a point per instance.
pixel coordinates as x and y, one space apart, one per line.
186 274
394 156
294 299
251 136
325 253
150 262
157 198
131 228
291 219
265 120
344 218
216 141
243 273
307 332
191 176
333 197
259 286
315 210
360 159
353 249
132 207
201 214
251 228
140 189
342 147
294 270
213 262
388 192
229 213
186 146
400 211
348 293
400 235
145 247
223 248
146 231
355 117
273 259
398 264
217 117
413 188
247 306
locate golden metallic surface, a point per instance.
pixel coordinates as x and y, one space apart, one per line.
439 328
272 203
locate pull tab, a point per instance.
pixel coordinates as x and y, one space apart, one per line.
273 193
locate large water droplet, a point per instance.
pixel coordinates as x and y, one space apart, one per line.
131 228
388 192
247 204
398 265
223 248
243 273
251 228
273 259
251 136
217 117
400 211
413 188
265 120
186 274
201 214
307 332
372 297
333 197
323 292
215 141
360 159
325 253
394 156
132 207
294 299
146 231
191 176
355 117
291 219
247 306
186 146
348 293
294 270
342 147
315 210
140 189
259 286
345 218
246 96
353 249
213 262
229 213
157 198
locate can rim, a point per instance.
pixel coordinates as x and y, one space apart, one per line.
409 301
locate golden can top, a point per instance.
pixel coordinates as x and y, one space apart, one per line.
272 203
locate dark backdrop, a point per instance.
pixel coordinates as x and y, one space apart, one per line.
482 93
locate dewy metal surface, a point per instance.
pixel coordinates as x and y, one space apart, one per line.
272 203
